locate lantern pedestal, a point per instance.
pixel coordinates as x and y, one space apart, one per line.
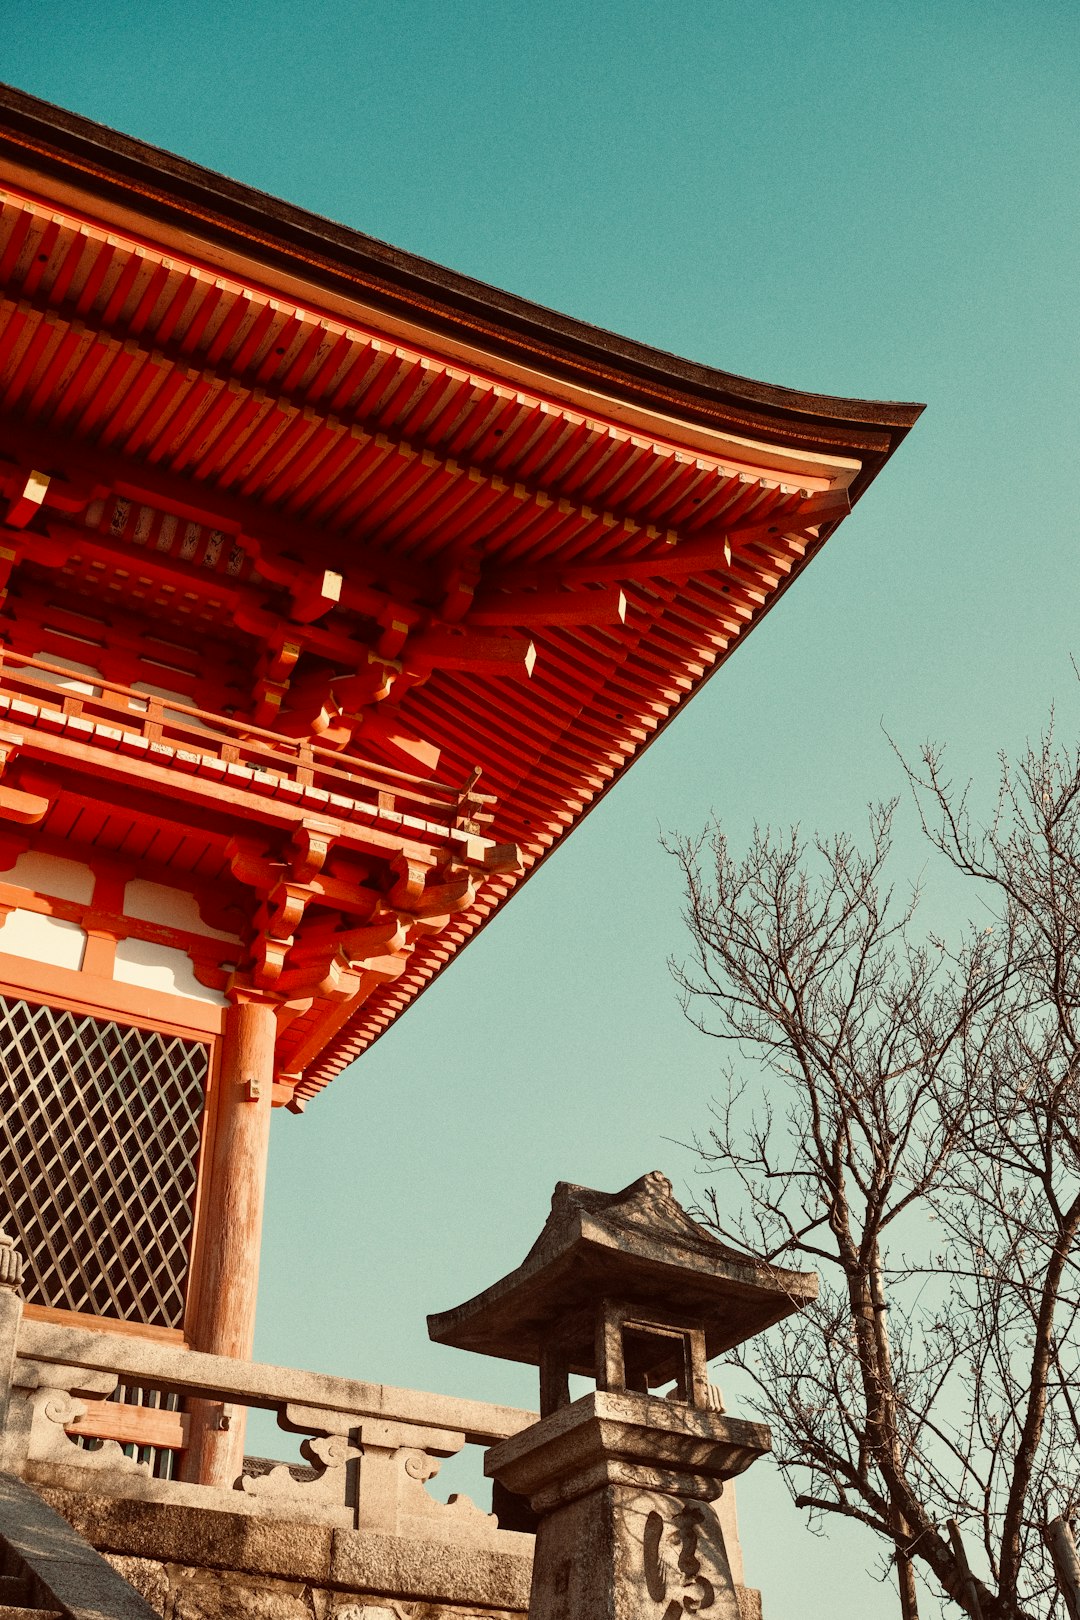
623 1484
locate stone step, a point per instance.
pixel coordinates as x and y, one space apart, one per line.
14 1589
10 1611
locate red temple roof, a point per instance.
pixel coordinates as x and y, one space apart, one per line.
554 535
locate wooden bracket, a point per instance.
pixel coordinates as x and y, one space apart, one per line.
25 809
461 582
312 843
314 595
411 878
28 503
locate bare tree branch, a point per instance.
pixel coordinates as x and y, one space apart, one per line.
917 1139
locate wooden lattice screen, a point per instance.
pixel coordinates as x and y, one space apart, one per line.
99 1137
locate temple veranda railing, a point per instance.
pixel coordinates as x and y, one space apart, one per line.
47 698
370 1448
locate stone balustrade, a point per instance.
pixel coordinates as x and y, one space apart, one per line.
355 1534
371 1448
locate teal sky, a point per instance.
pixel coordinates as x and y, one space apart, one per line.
860 198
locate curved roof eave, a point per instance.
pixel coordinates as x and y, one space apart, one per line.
278 236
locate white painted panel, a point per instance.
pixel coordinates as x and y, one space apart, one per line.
168 695
174 908
38 938
52 874
59 680
161 967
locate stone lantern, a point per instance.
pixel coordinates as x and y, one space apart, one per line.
626 1289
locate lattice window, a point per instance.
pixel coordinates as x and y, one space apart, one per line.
99 1137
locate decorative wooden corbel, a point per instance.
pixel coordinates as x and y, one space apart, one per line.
396 627
355 944
328 706
273 673
329 965
26 505
372 683
251 866
32 491
461 581
456 894
284 910
275 920
268 961
339 981
312 843
410 879
25 809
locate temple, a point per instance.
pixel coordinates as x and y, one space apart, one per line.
336 589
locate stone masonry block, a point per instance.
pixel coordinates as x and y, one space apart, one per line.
149 1578
464 1574
198 1536
215 1595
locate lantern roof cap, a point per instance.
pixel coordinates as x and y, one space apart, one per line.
638 1246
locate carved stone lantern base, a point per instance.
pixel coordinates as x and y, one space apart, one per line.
624 1484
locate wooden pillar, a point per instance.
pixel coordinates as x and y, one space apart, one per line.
230 1229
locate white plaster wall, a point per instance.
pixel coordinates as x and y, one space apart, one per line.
49 679
38 938
161 967
175 908
54 875
168 695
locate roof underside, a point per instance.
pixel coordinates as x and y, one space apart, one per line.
508 473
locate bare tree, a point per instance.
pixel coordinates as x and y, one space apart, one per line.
904 1116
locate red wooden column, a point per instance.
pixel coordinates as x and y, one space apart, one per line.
231 1226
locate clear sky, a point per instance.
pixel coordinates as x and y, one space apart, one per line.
860 198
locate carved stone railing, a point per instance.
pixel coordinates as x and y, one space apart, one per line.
371 1448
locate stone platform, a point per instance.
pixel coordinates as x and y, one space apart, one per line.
204 1564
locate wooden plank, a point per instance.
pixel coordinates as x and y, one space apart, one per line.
83 1319
492 655
540 608
131 1425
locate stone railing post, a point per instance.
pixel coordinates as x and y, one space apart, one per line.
397 1461
11 1307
